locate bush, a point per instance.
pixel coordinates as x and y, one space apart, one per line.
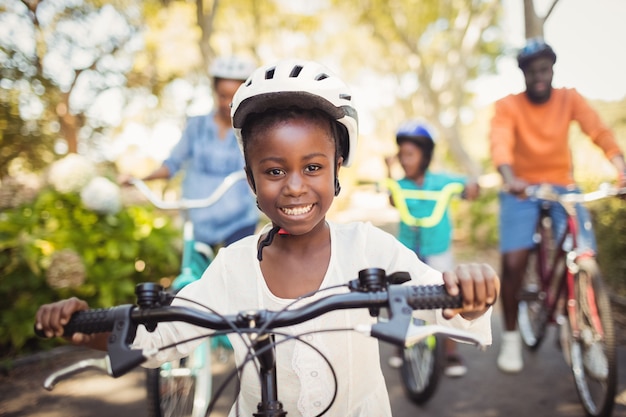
610 228
476 222
54 248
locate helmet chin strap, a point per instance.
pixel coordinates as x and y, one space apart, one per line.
277 229
269 239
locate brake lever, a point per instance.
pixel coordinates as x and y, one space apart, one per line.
102 364
416 334
120 357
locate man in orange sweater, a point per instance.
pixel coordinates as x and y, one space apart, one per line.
529 145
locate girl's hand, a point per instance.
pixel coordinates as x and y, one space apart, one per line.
51 318
471 190
478 283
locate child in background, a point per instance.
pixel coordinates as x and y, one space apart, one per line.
297 127
416 145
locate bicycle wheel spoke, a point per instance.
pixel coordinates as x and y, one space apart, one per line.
532 315
593 343
182 388
421 369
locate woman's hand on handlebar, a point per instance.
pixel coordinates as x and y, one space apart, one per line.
51 318
480 286
125 179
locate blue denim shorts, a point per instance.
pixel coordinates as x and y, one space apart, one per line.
519 216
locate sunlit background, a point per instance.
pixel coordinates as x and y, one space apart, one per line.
90 89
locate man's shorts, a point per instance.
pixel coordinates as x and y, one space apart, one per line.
519 216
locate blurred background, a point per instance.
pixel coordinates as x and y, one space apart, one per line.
93 89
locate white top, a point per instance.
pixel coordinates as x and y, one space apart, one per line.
305 383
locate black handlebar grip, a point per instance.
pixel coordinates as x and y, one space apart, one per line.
88 321
430 297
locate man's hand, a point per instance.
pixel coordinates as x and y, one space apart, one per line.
512 184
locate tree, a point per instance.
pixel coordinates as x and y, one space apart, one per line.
533 23
58 60
440 46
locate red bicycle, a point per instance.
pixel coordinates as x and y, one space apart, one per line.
563 285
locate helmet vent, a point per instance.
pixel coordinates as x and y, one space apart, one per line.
295 71
269 74
345 97
321 77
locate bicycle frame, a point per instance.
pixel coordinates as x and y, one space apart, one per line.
187 274
574 297
422 363
565 254
195 370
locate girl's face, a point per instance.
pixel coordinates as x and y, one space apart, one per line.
293 166
410 157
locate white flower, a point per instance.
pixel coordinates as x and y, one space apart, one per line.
71 173
102 196
66 270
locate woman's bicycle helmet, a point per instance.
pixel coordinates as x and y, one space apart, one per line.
534 48
299 83
232 68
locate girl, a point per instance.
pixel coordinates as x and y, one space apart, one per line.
297 127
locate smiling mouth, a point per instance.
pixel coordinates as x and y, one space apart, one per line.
295 211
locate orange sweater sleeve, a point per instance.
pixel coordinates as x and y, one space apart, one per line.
591 124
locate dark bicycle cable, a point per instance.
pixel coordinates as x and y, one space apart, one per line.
230 324
268 323
247 343
290 337
251 355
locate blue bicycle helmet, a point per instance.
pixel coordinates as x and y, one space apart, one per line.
535 48
415 128
420 134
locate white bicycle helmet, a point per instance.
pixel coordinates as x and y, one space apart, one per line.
305 84
232 68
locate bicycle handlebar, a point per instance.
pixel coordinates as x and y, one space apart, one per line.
441 197
185 203
548 192
364 292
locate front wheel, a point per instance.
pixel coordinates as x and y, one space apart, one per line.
181 388
421 368
592 342
532 312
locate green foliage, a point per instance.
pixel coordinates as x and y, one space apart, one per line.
117 252
476 221
483 216
610 230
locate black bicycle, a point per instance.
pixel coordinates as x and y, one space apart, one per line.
373 289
